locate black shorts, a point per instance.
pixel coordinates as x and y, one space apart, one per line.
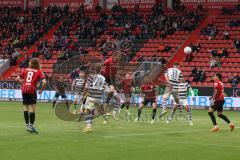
148 100
110 81
218 106
57 94
29 99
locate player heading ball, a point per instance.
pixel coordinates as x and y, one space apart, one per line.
29 78
173 78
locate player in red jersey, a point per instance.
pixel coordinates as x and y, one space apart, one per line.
110 72
29 78
217 102
149 96
127 89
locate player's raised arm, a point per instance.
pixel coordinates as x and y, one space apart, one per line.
19 79
166 76
108 61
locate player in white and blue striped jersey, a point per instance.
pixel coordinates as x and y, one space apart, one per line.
78 86
95 85
183 89
173 77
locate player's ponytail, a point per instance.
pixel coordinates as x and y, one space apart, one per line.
34 63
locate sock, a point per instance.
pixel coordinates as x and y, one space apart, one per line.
180 108
82 109
123 105
127 106
189 114
32 118
139 113
110 95
54 102
66 102
212 118
154 113
26 117
115 112
172 114
225 118
119 110
75 107
164 105
89 118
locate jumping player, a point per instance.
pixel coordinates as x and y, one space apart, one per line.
183 90
217 102
173 77
110 72
149 96
29 78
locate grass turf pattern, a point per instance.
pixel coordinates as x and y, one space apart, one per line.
120 140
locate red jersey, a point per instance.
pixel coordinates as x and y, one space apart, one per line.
219 86
30 79
148 91
110 70
126 84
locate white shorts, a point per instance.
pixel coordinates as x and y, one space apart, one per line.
174 93
92 103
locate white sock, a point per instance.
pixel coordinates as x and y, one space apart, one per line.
89 125
164 105
114 113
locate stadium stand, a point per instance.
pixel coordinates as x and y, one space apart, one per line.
134 27
21 30
214 46
157 35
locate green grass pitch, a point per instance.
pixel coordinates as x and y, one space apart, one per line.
120 140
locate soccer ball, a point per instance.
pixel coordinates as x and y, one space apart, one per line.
187 50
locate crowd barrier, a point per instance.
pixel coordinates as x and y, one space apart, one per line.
199 101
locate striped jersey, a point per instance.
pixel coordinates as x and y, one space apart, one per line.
148 91
174 76
96 85
126 85
31 77
183 89
79 84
